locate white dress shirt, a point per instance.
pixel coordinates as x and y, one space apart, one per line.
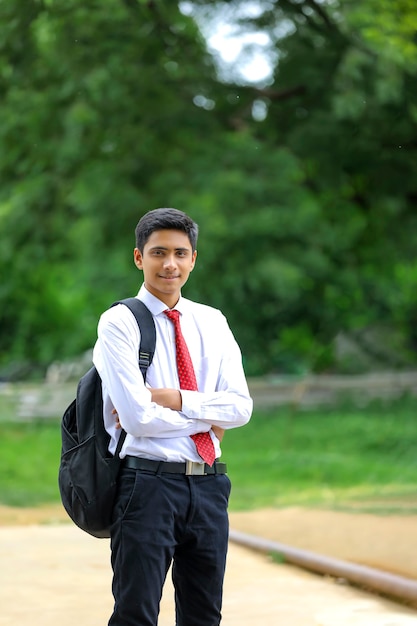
155 432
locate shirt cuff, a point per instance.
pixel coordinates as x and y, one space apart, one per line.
191 404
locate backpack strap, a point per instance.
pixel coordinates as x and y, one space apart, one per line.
120 443
146 325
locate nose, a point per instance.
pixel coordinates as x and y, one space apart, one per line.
169 261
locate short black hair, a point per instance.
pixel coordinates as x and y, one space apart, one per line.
165 219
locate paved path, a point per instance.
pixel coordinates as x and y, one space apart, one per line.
58 575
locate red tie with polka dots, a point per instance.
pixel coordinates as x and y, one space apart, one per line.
186 375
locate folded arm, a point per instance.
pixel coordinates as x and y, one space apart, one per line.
166 412
138 413
170 399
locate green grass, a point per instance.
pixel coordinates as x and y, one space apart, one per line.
29 458
327 457
342 457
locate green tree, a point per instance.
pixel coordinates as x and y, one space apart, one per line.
97 100
308 222
342 104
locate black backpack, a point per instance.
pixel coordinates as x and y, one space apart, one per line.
87 472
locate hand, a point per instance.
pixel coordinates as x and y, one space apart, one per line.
219 432
118 424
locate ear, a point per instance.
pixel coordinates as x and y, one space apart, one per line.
193 260
137 258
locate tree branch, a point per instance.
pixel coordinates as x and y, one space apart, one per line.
321 12
281 95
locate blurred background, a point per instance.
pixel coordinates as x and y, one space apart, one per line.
287 129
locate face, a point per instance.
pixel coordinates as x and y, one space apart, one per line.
166 262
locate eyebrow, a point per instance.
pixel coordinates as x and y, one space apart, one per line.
165 248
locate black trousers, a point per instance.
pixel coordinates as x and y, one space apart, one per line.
163 519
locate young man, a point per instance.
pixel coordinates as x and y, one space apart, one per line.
171 505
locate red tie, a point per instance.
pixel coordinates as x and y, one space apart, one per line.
186 375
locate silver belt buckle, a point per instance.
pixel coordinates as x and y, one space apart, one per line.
192 468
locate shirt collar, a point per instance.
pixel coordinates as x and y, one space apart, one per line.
155 305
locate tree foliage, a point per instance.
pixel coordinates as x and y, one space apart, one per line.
97 101
342 103
307 214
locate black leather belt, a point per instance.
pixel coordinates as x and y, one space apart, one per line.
189 468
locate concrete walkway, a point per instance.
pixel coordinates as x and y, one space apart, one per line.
58 575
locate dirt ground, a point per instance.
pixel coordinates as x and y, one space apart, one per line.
386 542
42 582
